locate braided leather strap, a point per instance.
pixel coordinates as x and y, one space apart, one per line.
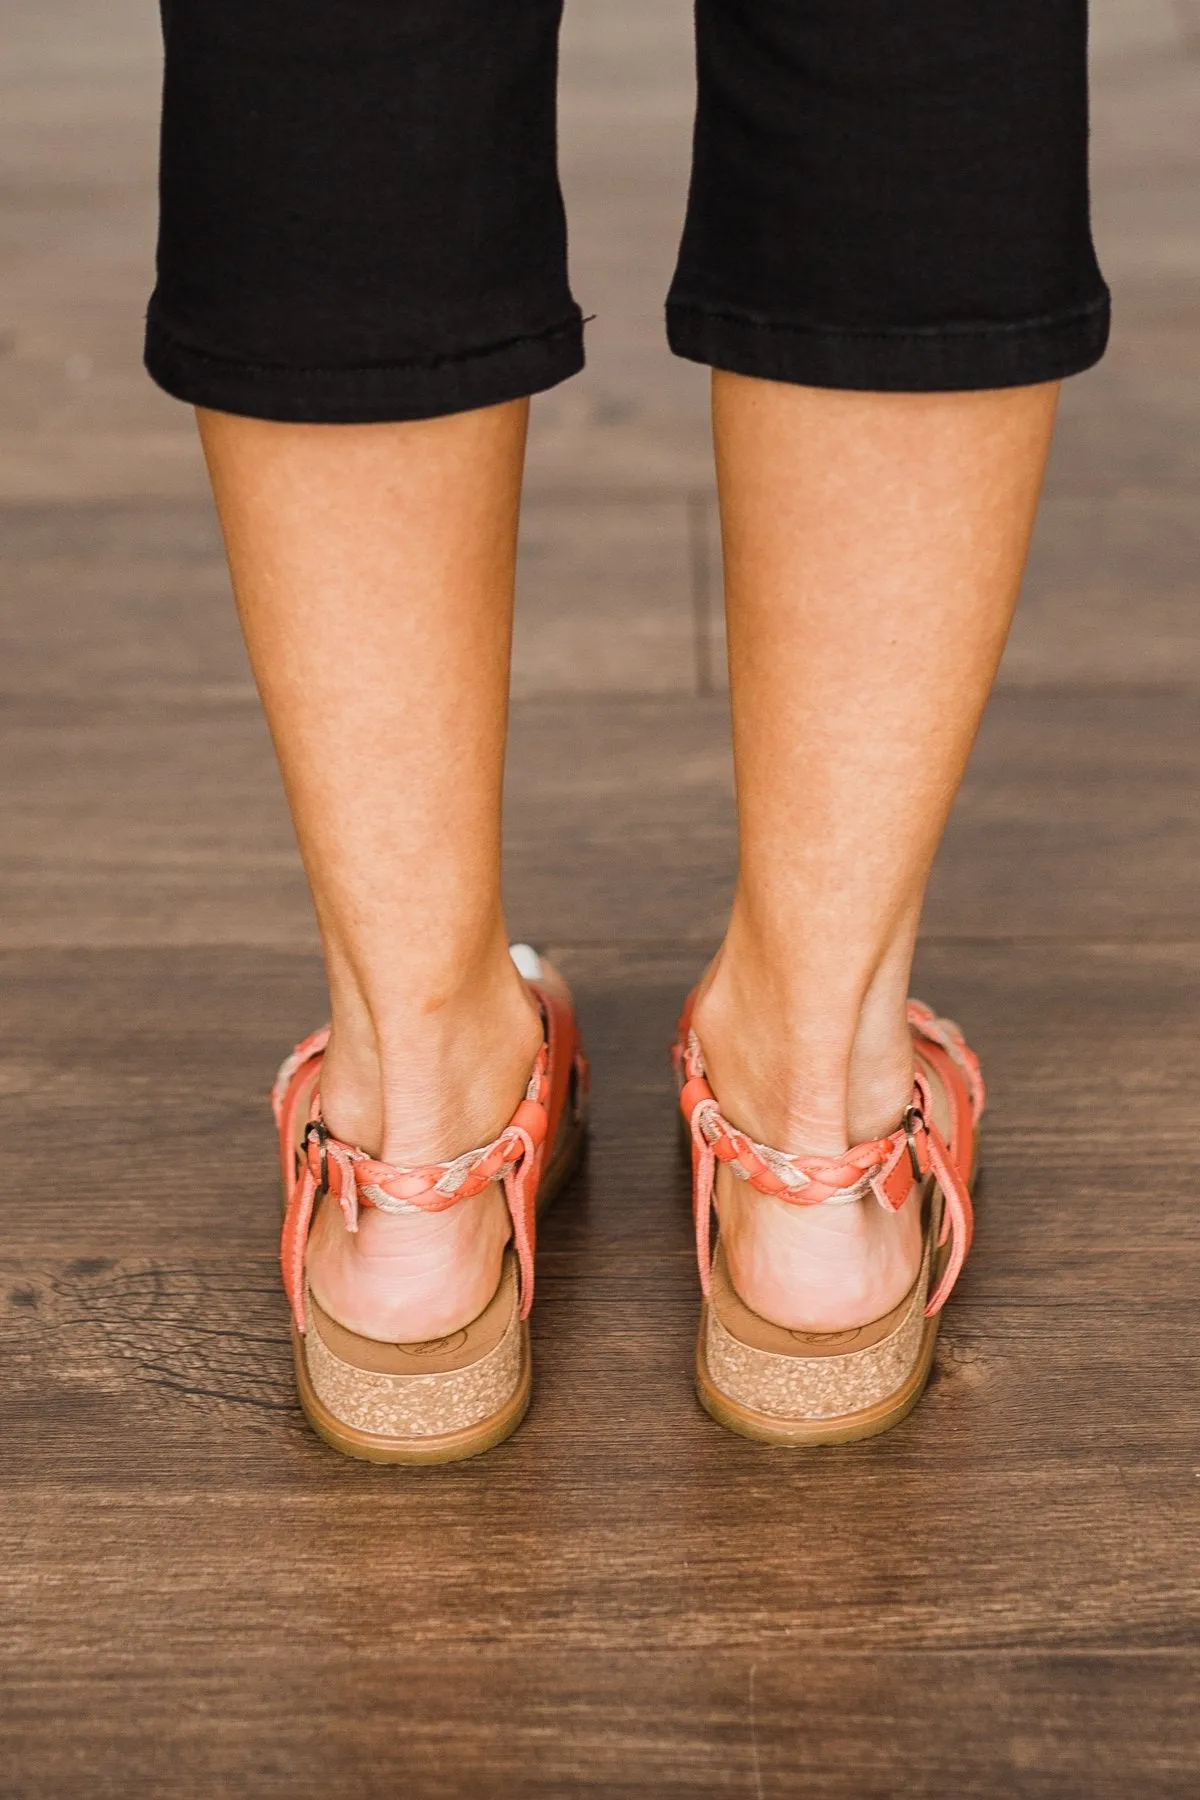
891 1168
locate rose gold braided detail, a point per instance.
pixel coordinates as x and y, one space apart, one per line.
925 1022
291 1065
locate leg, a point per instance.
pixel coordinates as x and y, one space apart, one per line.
373 567
888 256
361 276
874 549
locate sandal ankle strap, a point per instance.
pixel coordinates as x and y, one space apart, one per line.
325 1164
891 1168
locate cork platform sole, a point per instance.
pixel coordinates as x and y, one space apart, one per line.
435 1402
793 1388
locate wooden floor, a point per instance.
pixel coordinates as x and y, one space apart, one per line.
998 1600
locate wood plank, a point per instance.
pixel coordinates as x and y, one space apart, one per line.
118 602
127 823
131 602
367 1717
1110 595
1090 1051
637 416
130 825
1135 420
1077 818
604 602
1036 1394
147 1261
79 97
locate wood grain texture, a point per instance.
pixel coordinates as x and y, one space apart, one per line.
1096 557
604 599
1027 1727
165 822
640 813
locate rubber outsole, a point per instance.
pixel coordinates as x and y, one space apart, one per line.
452 1446
847 1428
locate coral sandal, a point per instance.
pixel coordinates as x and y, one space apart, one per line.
793 1387
456 1396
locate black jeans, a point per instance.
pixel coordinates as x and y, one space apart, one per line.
361 216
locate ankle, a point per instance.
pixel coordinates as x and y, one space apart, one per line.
800 1062
423 1079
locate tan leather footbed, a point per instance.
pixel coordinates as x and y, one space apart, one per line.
751 1328
437 1356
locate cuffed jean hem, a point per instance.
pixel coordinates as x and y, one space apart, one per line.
366 394
928 360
